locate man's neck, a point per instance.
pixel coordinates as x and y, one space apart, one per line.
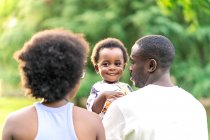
162 80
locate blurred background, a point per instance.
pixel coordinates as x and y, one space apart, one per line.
185 22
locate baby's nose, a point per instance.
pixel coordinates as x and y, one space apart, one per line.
112 67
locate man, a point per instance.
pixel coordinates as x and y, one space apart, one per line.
159 110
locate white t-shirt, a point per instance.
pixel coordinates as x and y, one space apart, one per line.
156 113
102 86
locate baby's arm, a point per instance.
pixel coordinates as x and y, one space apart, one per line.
98 104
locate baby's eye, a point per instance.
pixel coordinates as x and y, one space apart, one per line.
118 64
105 64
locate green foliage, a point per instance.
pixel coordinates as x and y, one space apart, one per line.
184 22
192 43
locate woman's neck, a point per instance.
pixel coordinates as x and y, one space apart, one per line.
59 103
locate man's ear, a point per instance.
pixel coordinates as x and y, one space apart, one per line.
96 68
152 65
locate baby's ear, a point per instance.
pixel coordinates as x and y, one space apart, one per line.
96 68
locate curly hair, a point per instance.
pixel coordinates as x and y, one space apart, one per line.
108 43
157 47
51 63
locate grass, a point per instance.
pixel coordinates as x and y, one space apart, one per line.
9 104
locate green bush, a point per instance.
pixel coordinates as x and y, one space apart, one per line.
185 23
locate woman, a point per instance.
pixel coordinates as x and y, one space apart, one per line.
51 65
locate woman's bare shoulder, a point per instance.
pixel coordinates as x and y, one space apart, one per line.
91 119
88 125
81 112
19 121
21 115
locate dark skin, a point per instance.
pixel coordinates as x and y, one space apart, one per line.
110 61
158 76
153 73
99 102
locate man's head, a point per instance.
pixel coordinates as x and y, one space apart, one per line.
151 58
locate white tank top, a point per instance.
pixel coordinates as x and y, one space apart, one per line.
55 123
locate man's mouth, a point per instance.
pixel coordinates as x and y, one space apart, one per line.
131 77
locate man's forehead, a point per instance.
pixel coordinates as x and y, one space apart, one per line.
134 50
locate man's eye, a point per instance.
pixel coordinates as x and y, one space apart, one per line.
131 61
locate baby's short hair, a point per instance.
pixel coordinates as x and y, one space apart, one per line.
108 43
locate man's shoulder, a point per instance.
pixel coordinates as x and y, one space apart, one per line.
138 95
131 97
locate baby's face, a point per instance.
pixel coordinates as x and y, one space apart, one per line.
110 64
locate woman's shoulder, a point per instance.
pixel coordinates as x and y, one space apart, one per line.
21 115
90 119
18 121
85 114
88 125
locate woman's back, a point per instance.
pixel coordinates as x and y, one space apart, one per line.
24 125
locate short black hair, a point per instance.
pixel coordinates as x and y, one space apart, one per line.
52 62
157 47
108 43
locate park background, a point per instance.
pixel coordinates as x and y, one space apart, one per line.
185 22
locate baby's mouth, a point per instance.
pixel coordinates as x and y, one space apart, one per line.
112 74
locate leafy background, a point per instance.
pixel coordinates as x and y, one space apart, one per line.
184 22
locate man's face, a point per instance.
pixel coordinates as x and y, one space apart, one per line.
137 68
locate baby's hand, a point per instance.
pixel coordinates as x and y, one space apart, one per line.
113 94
